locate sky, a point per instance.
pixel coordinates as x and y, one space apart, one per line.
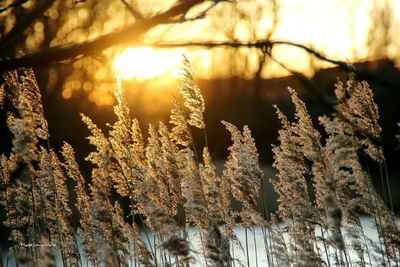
338 28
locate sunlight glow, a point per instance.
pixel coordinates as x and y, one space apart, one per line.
143 63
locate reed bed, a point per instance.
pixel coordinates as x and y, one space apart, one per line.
176 194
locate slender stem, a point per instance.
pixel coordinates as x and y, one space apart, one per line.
346 257
266 246
255 245
233 254
147 235
247 247
203 245
388 185
365 241
383 183
11 226
328 261
377 216
34 218
155 248
205 136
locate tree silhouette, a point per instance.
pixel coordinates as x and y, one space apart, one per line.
37 33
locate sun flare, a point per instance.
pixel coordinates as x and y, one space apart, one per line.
145 62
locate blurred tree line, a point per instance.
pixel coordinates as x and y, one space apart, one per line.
71 40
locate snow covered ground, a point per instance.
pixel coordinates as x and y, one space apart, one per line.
255 246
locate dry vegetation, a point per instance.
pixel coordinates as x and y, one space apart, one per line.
170 187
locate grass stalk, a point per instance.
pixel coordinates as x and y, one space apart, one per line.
247 247
388 185
255 246
326 249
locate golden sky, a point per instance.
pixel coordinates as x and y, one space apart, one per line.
338 28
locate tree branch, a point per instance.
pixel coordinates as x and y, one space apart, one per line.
13 4
133 33
270 44
130 34
8 41
136 14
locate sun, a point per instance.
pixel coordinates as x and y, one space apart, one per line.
143 63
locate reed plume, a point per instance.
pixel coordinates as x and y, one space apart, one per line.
192 95
295 206
243 170
180 132
356 118
170 188
87 229
216 194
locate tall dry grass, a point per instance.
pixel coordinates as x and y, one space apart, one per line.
172 187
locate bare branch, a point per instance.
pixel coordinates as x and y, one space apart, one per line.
13 4
133 33
133 11
270 44
7 42
130 34
202 14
